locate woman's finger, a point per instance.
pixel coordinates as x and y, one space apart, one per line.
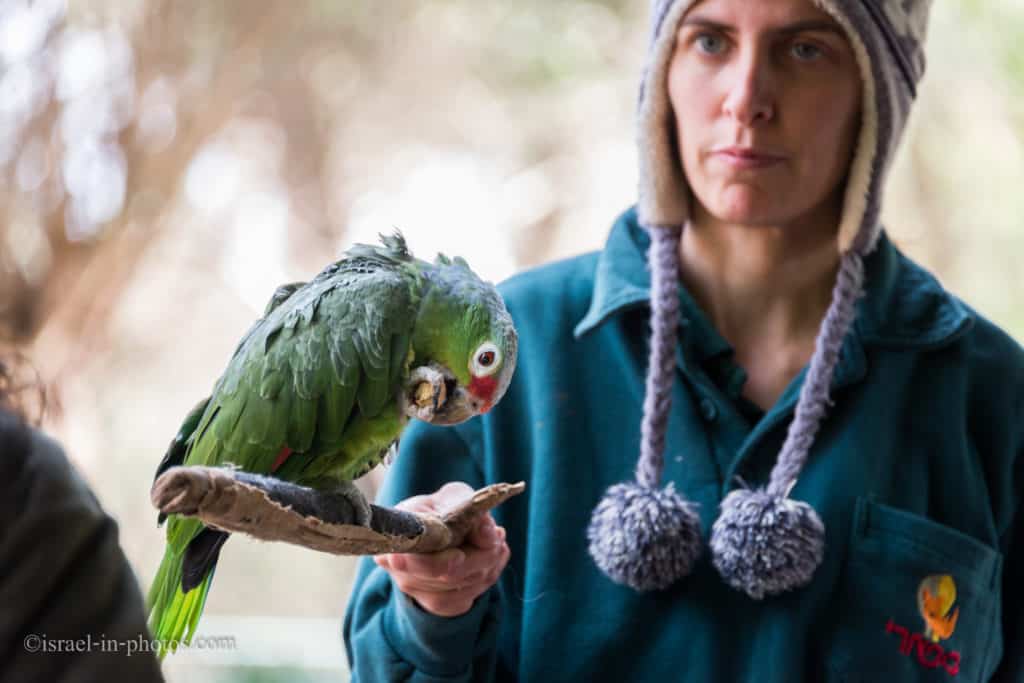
484 533
451 494
432 565
478 565
441 500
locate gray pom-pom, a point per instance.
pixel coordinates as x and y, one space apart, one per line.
763 544
644 538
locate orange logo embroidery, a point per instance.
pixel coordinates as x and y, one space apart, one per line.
935 597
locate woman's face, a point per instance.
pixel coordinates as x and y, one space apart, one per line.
767 99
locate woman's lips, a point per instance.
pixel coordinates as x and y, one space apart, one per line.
746 158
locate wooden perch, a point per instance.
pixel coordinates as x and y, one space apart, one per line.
273 510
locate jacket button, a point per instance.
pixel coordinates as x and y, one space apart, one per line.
708 409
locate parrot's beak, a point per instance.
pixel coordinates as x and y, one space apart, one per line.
433 394
459 407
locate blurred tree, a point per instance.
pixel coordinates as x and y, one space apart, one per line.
109 104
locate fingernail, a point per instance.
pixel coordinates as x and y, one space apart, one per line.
398 563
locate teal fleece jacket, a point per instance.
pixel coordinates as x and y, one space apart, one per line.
917 474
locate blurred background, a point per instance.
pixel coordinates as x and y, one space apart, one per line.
165 165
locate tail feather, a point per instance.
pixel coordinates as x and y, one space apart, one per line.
174 615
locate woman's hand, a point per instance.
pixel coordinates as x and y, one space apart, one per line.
447 583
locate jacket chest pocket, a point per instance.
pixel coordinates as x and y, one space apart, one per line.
918 601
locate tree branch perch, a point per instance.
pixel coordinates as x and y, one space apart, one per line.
274 510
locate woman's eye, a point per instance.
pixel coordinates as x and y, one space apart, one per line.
806 52
710 44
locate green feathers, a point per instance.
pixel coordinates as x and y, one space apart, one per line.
393 252
313 392
175 614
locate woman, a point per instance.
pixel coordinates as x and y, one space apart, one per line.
830 470
71 607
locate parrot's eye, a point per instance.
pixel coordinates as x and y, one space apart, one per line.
486 360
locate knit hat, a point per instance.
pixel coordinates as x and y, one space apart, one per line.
762 542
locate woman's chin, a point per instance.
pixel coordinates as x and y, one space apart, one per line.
745 205
763 204
748 214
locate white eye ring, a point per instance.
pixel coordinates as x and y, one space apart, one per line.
476 364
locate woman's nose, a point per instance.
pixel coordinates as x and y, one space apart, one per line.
749 97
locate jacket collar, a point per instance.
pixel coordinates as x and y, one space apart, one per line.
904 306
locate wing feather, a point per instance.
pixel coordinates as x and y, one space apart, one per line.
335 346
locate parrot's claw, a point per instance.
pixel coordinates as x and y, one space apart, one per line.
360 506
425 393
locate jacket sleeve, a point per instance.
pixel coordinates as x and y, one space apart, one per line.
72 608
387 636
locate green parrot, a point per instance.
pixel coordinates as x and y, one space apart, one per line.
320 388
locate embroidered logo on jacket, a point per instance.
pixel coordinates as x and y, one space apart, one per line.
935 597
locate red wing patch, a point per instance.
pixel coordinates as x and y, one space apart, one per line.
281 457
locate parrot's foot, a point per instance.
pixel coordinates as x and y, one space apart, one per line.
342 504
425 392
360 506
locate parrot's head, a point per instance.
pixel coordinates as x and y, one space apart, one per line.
465 329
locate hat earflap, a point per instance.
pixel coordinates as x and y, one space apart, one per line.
641 535
764 543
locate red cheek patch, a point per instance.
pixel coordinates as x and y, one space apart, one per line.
483 388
